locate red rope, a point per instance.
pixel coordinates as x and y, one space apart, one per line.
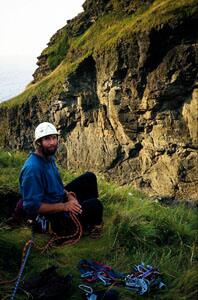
70 239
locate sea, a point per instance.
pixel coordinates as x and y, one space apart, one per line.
15 74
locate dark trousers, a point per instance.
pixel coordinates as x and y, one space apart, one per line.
86 190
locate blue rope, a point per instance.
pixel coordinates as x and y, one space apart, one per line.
22 268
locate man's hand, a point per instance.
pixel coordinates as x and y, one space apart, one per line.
71 196
72 206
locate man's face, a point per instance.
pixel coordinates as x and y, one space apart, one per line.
49 144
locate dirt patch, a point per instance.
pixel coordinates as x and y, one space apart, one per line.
8 200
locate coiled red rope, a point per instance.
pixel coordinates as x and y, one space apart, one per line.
69 239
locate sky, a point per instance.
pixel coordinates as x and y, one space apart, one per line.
27 25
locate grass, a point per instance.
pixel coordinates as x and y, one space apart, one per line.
10 164
65 54
136 229
58 49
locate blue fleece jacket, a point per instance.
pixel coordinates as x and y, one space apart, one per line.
40 182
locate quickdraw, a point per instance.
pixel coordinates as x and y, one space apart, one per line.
88 292
92 271
143 278
139 285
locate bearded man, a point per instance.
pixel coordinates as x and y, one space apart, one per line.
44 194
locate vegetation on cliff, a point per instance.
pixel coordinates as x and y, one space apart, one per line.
136 229
66 49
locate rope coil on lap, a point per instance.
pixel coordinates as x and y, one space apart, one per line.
70 239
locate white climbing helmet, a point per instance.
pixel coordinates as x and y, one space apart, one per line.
44 129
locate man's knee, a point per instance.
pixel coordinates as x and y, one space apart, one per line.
98 204
93 205
90 176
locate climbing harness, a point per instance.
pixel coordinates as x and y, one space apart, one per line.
42 224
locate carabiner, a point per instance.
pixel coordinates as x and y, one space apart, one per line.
87 274
105 280
85 288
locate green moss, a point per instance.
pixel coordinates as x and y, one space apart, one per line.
58 50
3 128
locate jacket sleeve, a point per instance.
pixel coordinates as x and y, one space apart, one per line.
32 190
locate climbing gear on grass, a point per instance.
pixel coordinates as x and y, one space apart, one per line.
88 291
142 279
92 271
139 285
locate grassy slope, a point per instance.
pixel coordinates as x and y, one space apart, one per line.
136 229
104 33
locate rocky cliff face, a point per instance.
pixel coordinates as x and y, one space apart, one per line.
129 111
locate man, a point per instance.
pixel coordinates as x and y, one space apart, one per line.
44 194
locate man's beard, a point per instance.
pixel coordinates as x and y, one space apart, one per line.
48 152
